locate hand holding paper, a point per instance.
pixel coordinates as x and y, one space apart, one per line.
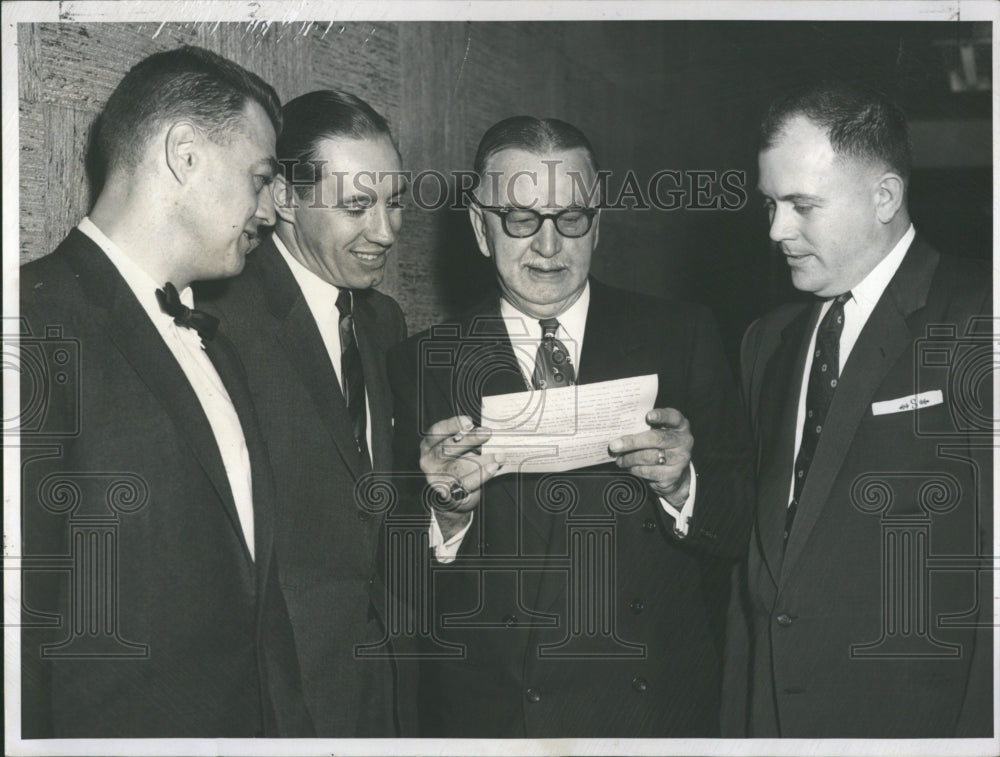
660 455
564 429
450 461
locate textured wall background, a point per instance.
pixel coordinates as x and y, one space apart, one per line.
440 85
650 95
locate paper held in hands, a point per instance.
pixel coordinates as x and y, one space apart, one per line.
562 429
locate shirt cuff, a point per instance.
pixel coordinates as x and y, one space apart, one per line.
446 551
682 517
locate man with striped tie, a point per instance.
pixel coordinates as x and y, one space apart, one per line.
501 539
313 333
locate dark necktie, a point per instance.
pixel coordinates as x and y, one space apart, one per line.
170 303
352 377
823 378
553 367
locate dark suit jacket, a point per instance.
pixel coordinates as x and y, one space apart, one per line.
831 637
326 539
651 665
134 556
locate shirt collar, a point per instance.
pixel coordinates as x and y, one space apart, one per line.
572 321
140 282
868 292
320 295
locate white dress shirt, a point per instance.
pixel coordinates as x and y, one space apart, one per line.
857 310
525 334
187 348
321 298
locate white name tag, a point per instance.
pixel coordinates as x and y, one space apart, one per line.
909 403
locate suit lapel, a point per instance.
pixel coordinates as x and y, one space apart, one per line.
777 415
141 345
610 350
885 337
376 384
300 338
608 340
488 365
230 370
490 346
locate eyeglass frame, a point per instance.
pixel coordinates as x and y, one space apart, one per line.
505 210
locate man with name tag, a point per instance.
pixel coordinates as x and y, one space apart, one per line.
151 605
314 332
872 416
578 603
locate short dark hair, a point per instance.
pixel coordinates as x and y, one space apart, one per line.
859 121
319 115
189 82
535 135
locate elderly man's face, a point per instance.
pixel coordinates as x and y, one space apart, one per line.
344 234
231 200
541 275
822 209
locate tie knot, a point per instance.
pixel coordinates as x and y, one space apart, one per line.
549 327
833 321
345 302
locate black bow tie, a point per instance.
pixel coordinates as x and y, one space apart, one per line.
170 303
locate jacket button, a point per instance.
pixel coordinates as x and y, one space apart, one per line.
533 695
649 525
509 621
640 684
637 606
784 620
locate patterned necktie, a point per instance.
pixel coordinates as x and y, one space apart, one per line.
170 303
352 377
553 367
823 378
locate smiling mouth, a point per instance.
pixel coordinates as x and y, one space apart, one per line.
369 257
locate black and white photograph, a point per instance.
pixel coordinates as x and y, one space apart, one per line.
496 377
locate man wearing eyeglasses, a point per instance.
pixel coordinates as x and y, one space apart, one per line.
530 641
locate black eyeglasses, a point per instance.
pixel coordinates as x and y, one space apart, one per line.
525 222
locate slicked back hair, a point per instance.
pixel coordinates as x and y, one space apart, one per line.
534 135
860 122
316 116
187 83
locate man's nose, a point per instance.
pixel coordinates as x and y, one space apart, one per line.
265 207
547 240
380 230
782 225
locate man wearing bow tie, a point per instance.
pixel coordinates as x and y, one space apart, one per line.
642 615
871 409
159 613
313 333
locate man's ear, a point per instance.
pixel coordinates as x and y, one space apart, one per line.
597 228
889 192
479 227
182 155
285 200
